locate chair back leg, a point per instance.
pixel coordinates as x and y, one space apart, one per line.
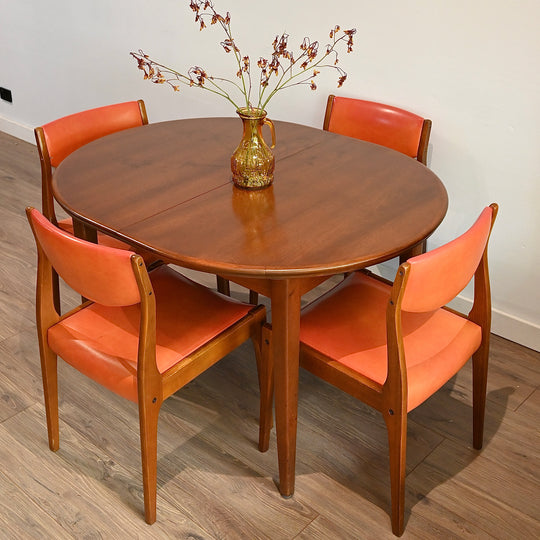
480 371
49 373
396 425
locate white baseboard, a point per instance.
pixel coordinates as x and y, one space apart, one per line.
21 131
503 324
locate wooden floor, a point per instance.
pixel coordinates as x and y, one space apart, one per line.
212 481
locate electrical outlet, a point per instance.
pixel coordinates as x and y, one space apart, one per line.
5 94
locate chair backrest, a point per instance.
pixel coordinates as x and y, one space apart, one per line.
378 123
102 274
435 278
59 138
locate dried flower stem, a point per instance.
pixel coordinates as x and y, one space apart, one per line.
308 63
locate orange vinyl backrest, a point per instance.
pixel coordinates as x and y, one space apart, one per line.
440 275
377 123
67 134
99 273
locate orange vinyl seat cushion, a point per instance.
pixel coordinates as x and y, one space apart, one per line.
102 341
348 325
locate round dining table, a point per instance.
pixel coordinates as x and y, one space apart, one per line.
337 204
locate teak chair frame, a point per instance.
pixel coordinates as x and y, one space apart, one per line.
390 398
153 387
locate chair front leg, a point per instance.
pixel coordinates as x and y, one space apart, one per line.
148 420
49 374
396 424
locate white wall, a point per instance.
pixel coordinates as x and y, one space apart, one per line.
470 66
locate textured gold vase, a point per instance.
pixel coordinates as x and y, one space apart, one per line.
252 163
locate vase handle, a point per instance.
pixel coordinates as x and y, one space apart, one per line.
270 124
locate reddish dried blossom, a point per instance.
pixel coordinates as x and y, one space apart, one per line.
280 45
274 66
197 76
350 34
229 46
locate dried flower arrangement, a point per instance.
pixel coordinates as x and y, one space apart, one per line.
282 70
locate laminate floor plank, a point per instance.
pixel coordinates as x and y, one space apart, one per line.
344 513
85 491
493 496
19 518
530 410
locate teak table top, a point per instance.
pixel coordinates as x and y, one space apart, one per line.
337 204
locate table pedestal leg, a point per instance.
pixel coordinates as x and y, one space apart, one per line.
285 337
81 230
413 252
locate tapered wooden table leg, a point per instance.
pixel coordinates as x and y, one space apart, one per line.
84 231
285 337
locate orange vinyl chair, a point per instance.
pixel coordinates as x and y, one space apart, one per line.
393 345
381 124
59 138
141 334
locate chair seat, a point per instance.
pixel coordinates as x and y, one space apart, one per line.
348 325
102 341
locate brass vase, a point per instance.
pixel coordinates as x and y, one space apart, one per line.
252 163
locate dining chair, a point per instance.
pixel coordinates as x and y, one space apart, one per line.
393 345
141 334
381 124
59 138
